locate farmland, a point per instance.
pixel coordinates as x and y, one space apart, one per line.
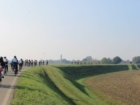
78 85
123 87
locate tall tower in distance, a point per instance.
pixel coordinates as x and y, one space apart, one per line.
61 58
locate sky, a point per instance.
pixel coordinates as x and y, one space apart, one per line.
45 29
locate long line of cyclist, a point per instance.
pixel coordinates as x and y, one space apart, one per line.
16 65
35 62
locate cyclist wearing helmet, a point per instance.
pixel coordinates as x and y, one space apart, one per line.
29 62
26 62
15 64
6 63
22 62
2 64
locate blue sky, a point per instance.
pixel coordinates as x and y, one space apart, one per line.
44 29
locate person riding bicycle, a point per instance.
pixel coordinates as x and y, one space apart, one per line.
42 62
47 62
35 62
15 64
1 73
39 63
1 69
31 62
6 63
20 64
11 63
2 64
26 62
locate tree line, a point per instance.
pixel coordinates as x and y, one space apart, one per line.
115 60
89 60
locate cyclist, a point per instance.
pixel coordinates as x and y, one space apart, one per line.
1 69
0 73
47 62
3 66
42 62
20 64
39 63
35 62
15 64
6 64
26 62
11 63
31 62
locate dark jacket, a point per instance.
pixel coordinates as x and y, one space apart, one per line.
2 62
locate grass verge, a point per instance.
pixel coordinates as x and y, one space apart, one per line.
50 86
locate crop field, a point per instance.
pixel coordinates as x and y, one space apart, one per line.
123 87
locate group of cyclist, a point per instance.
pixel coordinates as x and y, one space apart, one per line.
35 62
14 65
30 62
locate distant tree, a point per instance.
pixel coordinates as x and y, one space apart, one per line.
136 59
110 61
84 61
106 61
65 61
95 61
87 60
117 60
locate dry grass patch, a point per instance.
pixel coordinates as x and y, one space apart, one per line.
124 87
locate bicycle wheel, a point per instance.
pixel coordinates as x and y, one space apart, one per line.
0 78
15 72
5 71
19 68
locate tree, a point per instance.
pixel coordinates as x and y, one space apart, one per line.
136 59
87 60
106 61
65 61
117 60
95 61
84 61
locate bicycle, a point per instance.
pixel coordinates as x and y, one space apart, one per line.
15 70
20 67
5 69
1 74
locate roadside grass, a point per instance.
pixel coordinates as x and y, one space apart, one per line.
62 85
34 88
50 86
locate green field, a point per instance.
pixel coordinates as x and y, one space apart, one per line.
62 85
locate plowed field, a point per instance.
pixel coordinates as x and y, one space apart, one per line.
123 87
